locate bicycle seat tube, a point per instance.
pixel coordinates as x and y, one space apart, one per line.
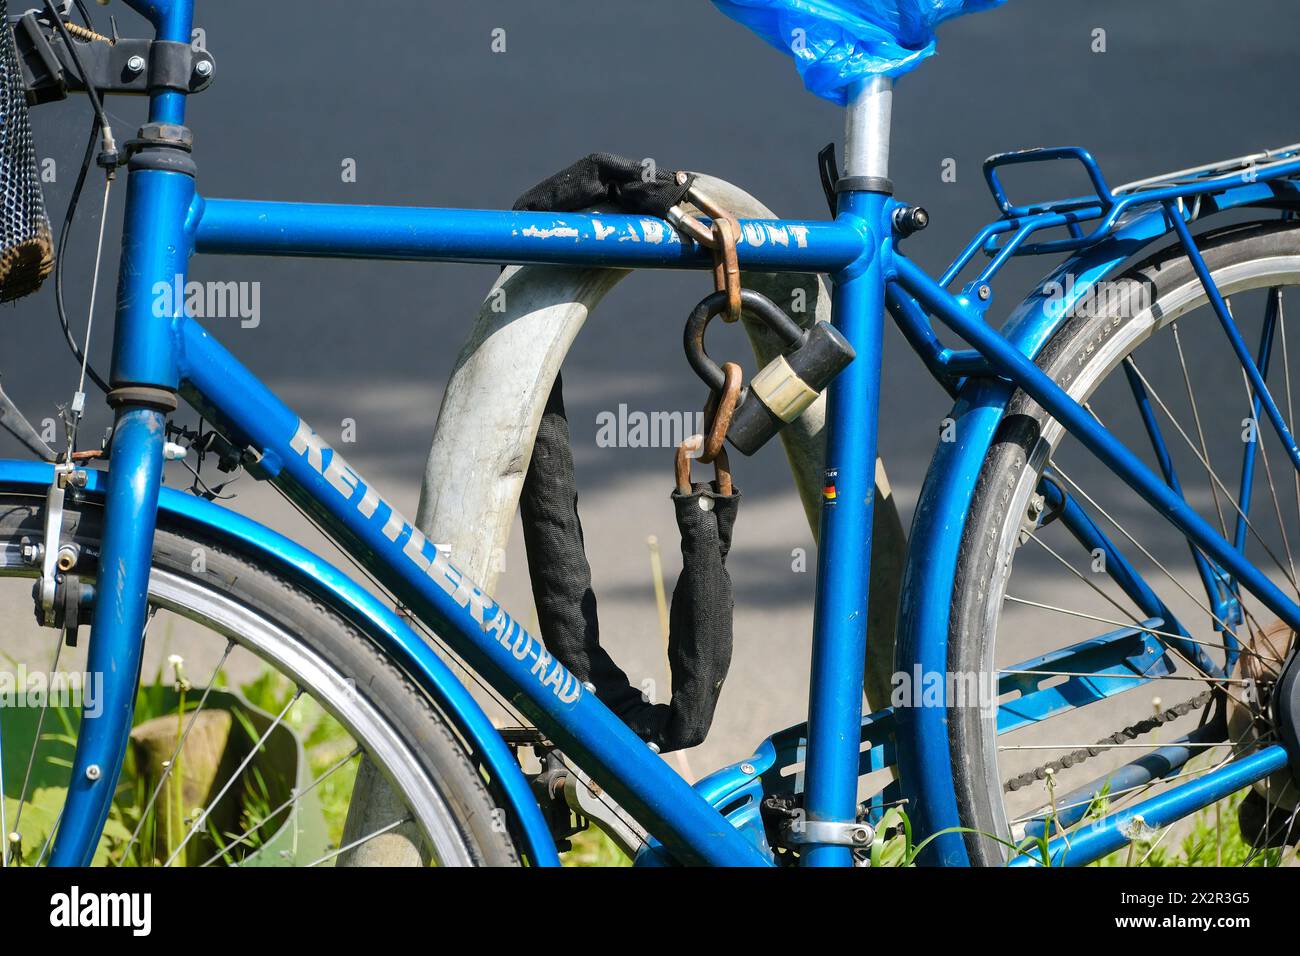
844 551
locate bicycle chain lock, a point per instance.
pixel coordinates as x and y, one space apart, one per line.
700 618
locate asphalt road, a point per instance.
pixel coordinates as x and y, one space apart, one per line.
414 94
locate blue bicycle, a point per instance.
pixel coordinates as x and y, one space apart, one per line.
1057 584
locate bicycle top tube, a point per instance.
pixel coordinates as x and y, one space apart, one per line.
248 227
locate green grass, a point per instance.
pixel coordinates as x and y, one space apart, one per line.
324 741
592 847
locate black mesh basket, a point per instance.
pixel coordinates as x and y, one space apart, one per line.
26 251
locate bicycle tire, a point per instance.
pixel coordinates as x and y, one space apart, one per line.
231 592
1083 353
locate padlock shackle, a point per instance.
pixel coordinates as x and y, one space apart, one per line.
757 305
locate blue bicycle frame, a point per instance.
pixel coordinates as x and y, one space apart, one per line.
167 221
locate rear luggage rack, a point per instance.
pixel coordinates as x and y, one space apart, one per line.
1265 178
1254 163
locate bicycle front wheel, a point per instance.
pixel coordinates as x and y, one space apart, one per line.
258 707
1062 570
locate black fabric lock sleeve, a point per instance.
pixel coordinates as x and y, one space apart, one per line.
604 177
557 563
700 621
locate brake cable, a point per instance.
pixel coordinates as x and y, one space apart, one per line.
108 158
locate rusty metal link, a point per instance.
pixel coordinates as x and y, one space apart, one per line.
726 263
718 411
683 221
682 467
720 238
726 268
713 209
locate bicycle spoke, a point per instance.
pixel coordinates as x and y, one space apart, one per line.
171 762
1079 574
293 800
1149 556
1145 630
1200 432
1163 833
49 839
1209 575
1287 831
356 843
31 756
1232 501
257 747
1169 647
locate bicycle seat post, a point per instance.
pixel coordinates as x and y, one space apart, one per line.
866 128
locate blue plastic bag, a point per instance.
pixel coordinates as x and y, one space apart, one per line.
836 42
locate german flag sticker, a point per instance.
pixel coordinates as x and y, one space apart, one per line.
828 486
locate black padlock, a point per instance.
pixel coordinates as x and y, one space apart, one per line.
787 385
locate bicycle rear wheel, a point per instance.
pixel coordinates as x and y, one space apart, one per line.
257 704
1150 362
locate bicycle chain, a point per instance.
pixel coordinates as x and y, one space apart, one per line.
1131 732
